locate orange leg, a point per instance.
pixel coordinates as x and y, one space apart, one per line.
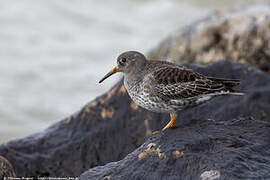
171 123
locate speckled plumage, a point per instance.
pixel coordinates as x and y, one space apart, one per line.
162 86
167 87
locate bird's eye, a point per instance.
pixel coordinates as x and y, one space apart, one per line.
123 60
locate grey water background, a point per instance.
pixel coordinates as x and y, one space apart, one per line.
53 52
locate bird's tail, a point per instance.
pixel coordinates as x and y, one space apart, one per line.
227 82
236 92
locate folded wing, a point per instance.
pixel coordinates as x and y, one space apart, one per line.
180 82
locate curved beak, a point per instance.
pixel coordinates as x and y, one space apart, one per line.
114 70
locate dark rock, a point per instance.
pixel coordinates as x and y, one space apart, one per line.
241 35
6 169
228 137
96 135
112 126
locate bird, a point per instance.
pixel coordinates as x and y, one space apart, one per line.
166 87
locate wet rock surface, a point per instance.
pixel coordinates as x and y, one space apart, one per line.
227 137
240 35
6 169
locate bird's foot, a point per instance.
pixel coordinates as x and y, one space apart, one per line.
171 123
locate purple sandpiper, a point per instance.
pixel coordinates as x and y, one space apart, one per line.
162 86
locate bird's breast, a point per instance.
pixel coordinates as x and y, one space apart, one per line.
137 93
142 96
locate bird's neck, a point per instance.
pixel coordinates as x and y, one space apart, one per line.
132 80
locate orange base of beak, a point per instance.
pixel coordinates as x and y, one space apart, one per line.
114 70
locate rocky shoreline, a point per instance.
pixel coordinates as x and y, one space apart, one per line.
112 138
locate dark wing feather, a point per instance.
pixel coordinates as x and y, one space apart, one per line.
172 75
227 82
179 82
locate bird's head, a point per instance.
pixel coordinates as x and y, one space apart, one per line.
129 62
